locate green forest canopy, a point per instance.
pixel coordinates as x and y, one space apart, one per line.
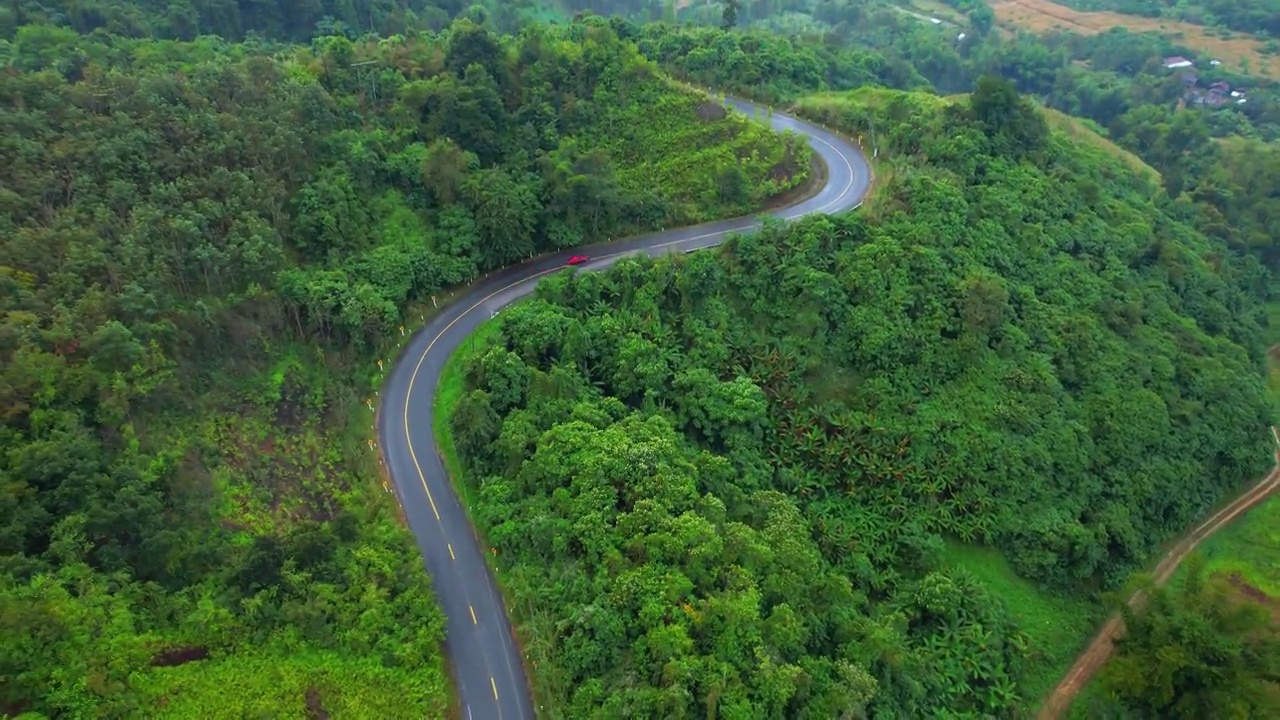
201 247
185 223
1219 162
723 482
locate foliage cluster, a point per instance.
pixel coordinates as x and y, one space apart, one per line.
723 482
188 19
200 247
1198 649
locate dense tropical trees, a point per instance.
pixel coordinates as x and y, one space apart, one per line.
751 463
200 245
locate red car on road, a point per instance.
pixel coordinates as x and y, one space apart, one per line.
578 259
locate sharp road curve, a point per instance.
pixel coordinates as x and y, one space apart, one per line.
484 657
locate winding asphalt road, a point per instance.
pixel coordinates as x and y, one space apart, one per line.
482 651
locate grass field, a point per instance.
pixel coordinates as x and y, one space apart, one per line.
1058 625
1041 16
1248 552
1080 131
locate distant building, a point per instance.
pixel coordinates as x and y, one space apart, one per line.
1215 63
1212 99
1177 61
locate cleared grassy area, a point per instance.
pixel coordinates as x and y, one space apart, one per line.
1249 549
872 97
1042 16
1058 625
278 682
1080 130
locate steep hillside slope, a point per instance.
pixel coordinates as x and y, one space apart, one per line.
204 247
729 481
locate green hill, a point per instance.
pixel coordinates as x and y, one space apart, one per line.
203 249
743 482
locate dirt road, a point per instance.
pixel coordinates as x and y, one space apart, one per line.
1100 648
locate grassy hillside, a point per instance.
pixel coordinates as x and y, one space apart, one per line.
1086 134
954 419
851 109
204 248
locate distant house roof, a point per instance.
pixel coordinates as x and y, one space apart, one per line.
1177 61
1215 62
1221 86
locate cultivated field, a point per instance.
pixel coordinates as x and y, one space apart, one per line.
1041 16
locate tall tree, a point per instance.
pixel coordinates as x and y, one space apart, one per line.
729 14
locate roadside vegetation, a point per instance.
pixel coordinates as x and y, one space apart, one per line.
1195 651
213 217
1220 608
1055 623
688 464
204 247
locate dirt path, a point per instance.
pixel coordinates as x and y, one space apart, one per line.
1100 648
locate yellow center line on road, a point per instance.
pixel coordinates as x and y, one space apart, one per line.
430 346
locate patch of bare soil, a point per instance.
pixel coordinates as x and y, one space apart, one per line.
1249 591
315 708
172 657
711 112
